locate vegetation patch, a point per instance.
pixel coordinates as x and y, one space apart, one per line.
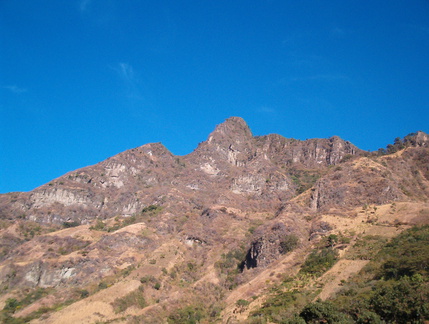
319 261
366 247
13 305
192 314
230 265
146 214
134 298
304 179
282 304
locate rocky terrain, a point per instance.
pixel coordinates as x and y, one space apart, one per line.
146 236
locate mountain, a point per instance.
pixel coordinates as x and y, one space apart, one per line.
147 236
232 158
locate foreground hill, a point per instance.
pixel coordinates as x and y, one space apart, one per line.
146 236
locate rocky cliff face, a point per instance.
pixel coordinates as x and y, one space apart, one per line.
313 153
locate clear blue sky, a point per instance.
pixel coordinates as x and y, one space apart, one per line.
82 80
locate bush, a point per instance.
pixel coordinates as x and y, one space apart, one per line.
151 208
99 226
102 285
11 305
282 305
71 224
366 247
407 254
319 261
402 301
146 279
324 312
186 315
242 303
231 264
288 243
84 293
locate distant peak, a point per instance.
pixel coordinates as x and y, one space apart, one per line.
236 120
155 148
234 127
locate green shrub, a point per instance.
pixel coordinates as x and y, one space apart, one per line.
242 303
231 264
187 315
366 247
282 305
84 293
11 305
151 209
324 312
288 243
71 224
402 301
148 278
99 226
407 254
102 285
319 261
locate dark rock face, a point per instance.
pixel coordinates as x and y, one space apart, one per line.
279 236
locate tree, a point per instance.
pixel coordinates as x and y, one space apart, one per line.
323 312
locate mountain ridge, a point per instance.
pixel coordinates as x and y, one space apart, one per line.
230 145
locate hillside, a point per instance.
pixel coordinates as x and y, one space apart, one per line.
210 237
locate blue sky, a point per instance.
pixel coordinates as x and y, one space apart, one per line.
82 80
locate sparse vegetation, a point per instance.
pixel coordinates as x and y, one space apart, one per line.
29 229
120 222
304 179
146 279
366 247
134 298
398 144
231 265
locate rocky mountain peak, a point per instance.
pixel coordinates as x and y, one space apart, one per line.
233 128
231 141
